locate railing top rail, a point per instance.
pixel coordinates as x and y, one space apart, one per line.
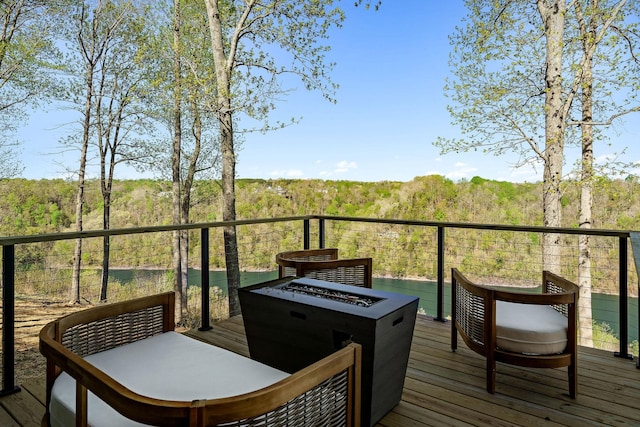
477 226
13 240
35 238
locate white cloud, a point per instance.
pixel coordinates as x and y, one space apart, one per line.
459 174
461 170
345 166
340 167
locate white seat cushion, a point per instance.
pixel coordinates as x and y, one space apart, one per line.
530 328
169 366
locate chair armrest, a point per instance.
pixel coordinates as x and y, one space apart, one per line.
339 372
552 283
473 311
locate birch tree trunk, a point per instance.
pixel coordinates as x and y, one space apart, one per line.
585 316
553 16
223 66
585 214
175 167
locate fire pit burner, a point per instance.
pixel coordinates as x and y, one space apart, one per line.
332 294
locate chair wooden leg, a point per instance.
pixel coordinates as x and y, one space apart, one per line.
491 375
573 380
454 337
454 329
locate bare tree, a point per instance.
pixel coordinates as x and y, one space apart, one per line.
94 34
120 120
180 83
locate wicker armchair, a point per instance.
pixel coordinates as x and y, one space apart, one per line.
324 393
323 264
524 329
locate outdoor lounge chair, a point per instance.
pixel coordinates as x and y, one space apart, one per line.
122 364
323 264
536 330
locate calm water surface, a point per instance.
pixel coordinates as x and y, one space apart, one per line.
605 307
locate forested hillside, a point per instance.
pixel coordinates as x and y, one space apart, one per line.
48 206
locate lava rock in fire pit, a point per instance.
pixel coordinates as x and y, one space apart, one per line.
332 294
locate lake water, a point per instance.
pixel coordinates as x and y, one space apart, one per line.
605 307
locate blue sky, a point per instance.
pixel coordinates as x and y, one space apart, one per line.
391 68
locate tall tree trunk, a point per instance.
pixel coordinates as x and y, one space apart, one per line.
229 214
105 189
106 248
77 254
553 15
106 184
223 66
187 185
585 316
175 166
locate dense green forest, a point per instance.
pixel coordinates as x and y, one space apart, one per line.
47 206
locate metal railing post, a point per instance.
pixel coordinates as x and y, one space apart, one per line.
623 301
8 321
204 280
440 291
321 235
306 234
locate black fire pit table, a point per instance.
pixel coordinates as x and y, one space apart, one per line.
293 322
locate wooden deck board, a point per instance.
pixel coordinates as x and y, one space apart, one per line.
445 388
6 419
24 408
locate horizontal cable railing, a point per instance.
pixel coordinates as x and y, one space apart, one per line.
420 253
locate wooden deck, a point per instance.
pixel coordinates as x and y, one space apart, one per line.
447 389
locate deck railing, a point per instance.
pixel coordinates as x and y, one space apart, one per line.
435 246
